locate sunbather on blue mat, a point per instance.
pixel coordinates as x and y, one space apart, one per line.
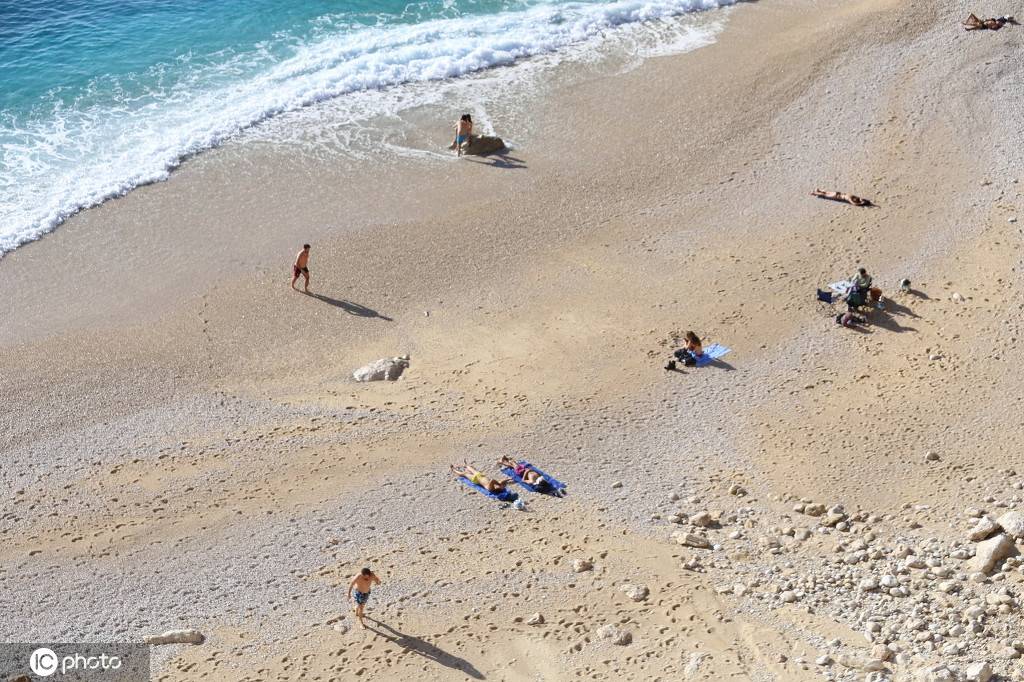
530 477
488 486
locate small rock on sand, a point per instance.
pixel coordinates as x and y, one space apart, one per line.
635 592
535 619
341 627
382 370
692 669
862 663
615 634
986 527
702 519
581 565
176 637
692 540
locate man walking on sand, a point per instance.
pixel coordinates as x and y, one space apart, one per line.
361 585
301 267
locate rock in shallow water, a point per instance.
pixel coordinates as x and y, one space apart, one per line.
480 145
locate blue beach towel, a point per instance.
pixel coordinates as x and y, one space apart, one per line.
711 353
506 496
557 487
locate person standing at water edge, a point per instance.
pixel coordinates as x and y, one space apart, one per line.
463 129
359 591
301 267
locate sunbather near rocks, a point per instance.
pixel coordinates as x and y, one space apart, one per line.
842 196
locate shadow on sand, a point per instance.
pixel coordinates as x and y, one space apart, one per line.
497 160
423 648
350 307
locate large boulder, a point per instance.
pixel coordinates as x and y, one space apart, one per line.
382 370
480 145
991 552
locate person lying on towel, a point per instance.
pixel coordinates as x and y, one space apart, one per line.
529 475
973 23
842 196
478 478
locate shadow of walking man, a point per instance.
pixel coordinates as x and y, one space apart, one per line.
423 648
350 307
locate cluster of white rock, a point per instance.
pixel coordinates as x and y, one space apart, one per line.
929 611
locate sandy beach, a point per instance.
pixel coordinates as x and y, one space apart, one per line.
183 445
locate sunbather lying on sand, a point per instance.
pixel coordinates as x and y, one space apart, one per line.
473 476
973 23
842 196
529 475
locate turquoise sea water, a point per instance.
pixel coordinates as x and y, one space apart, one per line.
98 96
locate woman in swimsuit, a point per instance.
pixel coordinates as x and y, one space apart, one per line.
524 471
473 476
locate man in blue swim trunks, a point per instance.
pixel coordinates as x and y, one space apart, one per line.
359 591
463 131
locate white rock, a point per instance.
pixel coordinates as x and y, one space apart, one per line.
702 519
889 581
1012 523
693 667
986 527
635 592
937 673
341 627
617 485
868 584
788 597
616 635
823 660
382 370
176 637
581 565
862 663
535 619
978 672
991 552
692 540
814 509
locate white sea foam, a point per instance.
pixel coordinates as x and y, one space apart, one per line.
80 154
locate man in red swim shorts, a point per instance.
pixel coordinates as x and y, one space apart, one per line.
301 267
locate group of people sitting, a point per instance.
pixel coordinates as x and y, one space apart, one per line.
860 294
